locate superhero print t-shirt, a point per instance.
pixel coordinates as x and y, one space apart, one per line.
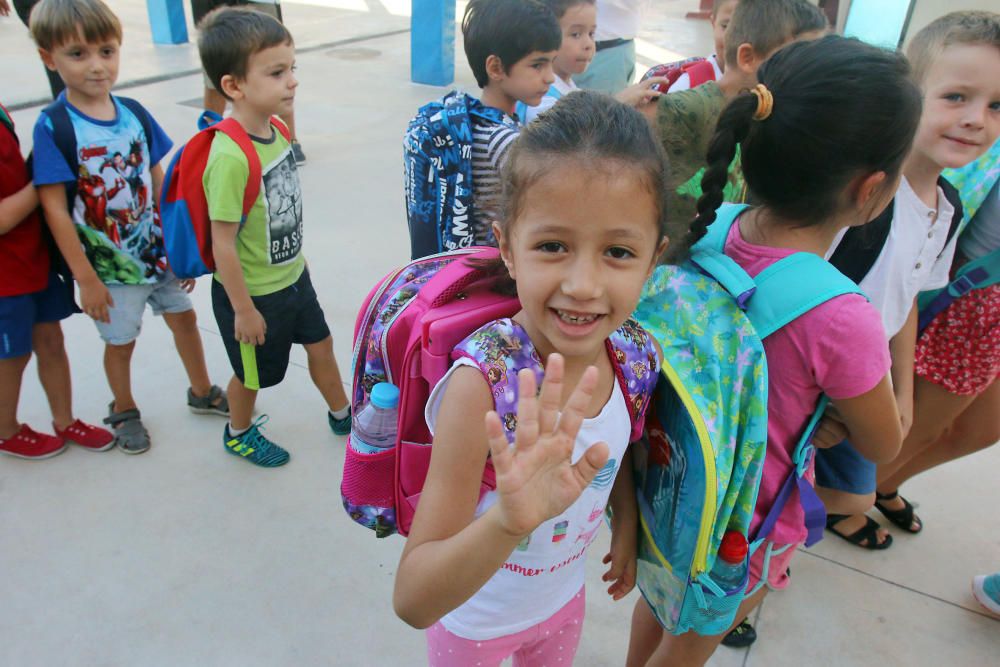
114 209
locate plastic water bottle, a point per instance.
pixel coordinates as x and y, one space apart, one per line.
374 428
730 564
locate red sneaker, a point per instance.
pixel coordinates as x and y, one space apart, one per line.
91 438
28 444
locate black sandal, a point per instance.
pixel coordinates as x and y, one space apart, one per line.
741 636
867 532
904 518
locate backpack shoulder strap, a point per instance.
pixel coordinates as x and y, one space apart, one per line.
500 349
232 129
709 256
637 369
280 126
699 72
145 120
955 199
64 137
978 273
861 246
793 286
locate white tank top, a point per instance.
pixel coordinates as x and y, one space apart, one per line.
547 569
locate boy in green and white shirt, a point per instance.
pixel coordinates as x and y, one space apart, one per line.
261 295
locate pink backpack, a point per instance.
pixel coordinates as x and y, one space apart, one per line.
411 327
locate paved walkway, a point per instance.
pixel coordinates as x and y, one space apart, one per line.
185 556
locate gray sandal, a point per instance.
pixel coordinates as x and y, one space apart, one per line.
130 435
215 403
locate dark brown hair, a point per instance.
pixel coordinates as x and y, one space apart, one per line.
589 128
230 35
768 24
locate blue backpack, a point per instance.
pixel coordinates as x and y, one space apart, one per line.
437 171
699 466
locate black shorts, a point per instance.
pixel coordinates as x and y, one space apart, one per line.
292 315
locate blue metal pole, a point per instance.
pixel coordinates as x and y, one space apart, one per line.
432 42
166 19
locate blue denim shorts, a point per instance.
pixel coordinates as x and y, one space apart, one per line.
19 315
165 296
842 468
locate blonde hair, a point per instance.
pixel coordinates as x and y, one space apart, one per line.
970 27
56 22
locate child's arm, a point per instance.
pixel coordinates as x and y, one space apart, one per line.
449 555
94 295
903 350
249 326
640 94
156 175
624 531
872 422
16 207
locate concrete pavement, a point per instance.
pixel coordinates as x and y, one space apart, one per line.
186 556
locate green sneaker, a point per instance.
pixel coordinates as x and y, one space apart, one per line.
339 426
254 447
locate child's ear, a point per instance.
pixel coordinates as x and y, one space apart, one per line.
660 249
494 68
47 60
747 59
871 191
504 247
230 87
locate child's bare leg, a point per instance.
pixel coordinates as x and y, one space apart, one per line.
11 371
934 410
53 371
325 373
692 649
187 340
977 428
854 505
118 368
645 635
241 402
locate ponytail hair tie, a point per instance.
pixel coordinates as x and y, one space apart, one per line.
765 102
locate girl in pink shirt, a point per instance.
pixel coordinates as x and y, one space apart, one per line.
818 156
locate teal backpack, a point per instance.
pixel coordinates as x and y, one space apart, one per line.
699 465
975 182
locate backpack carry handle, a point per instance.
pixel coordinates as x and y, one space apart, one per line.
208 118
455 277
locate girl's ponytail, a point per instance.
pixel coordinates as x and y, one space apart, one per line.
731 130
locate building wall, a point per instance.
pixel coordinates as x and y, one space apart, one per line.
925 11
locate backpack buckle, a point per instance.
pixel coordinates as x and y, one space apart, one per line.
961 285
802 458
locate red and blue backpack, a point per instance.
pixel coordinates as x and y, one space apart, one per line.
699 70
187 228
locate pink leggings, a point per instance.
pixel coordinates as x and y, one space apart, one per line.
552 642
